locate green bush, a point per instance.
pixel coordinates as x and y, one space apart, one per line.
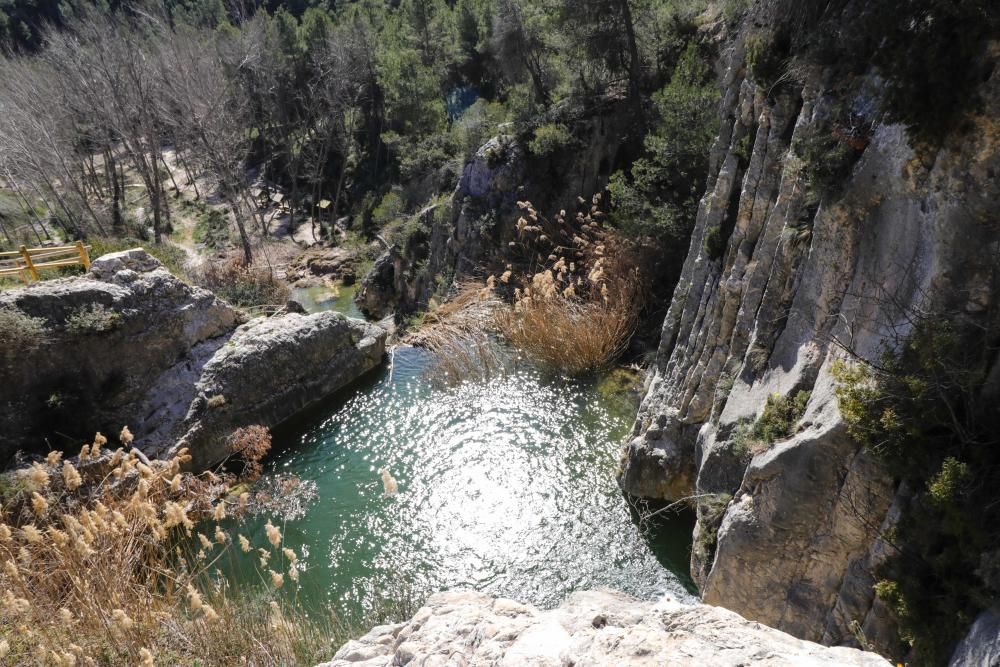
921 410
549 139
715 244
711 510
780 416
92 319
20 333
388 210
776 422
827 160
766 53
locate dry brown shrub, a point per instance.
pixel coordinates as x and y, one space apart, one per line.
250 445
577 307
244 286
569 334
458 333
113 560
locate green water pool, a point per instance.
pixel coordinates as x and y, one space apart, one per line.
506 485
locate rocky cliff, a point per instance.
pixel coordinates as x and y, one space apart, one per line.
779 281
471 230
592 628
131 344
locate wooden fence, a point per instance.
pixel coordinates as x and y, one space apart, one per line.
26 262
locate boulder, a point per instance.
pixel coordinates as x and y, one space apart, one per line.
377 293
117 342
592 628
271 369
129 344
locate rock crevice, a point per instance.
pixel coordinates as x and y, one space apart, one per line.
801 278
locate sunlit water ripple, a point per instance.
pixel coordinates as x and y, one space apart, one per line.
506 486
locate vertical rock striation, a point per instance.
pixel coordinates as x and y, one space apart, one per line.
909 230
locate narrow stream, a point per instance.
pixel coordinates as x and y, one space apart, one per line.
506 486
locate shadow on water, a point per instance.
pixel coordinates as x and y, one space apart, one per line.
668 535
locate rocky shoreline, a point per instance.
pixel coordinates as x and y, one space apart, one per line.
131 344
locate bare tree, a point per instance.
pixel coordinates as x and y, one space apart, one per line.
208 110
110 82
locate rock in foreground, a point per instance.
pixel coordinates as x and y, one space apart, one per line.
271 369
590 628
130 344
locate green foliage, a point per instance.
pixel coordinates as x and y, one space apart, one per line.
921 411
715 244
827 159
388 210
21 334
766 53
780 415
93 319
211 228
549 139
711 510
929 54
777 421
928 58
660 193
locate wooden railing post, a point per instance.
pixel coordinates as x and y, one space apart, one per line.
84 257
27 259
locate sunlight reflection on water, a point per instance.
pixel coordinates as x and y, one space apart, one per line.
506 485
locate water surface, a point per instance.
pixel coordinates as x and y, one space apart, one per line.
506 485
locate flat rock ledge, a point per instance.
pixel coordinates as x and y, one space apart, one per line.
590 628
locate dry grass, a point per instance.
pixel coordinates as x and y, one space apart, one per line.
244 286
94 569
571 335
576 309
458 333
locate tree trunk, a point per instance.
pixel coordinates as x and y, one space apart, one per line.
241 227
191 179
170 172
633 54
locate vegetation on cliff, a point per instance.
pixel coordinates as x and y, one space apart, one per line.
928 410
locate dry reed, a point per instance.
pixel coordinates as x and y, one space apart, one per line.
458 334
97 568
577 306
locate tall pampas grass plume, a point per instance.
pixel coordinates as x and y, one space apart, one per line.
389 485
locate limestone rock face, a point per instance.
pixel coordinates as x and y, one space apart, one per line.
800 279
102 373
130 344
592 628
981 647
271 369
377 293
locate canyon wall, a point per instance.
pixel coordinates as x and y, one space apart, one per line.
798 284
